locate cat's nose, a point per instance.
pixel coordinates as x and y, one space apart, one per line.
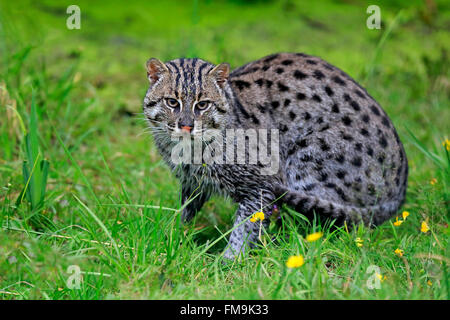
186 128
186 124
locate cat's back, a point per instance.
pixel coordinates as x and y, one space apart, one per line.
296 87
337 141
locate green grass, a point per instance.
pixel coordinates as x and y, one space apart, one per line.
111 207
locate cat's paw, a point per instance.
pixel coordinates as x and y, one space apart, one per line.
231 256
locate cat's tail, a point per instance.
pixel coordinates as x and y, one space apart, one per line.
308 205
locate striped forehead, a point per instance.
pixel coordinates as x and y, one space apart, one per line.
188 75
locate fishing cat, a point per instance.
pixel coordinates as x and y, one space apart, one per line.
339 154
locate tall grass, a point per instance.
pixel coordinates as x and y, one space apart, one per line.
35 168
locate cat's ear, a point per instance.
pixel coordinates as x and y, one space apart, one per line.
220 73
155 69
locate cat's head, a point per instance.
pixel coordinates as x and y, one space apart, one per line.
187 95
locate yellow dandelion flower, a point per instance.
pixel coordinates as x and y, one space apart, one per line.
446 144
359 242
405 214
429 283
257 216
295 261
381 277
399 252
314 236
397 222
424 227
433 181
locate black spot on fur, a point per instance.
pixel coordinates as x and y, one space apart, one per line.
347 137
330 185
283 127
335 108
358 146
309 61
282 87
329 91
341 193
260 82
323 176
341 174
383 142
299 75
365 117
292 115
242 84
317 98
355 105
269 83
360 94
346 97
323 145
325 127
318 74
364 132
347 121
265 67
357 161
340 158
303 143
292 150
307 116
375 110
339 81
279 70
301 96
286 62
370 151
275 104
385 122
287 102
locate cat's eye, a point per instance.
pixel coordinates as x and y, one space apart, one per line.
202 105
172 103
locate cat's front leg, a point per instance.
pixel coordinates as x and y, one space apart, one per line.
196 196
246 234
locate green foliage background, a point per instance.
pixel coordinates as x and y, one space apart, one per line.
88 86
